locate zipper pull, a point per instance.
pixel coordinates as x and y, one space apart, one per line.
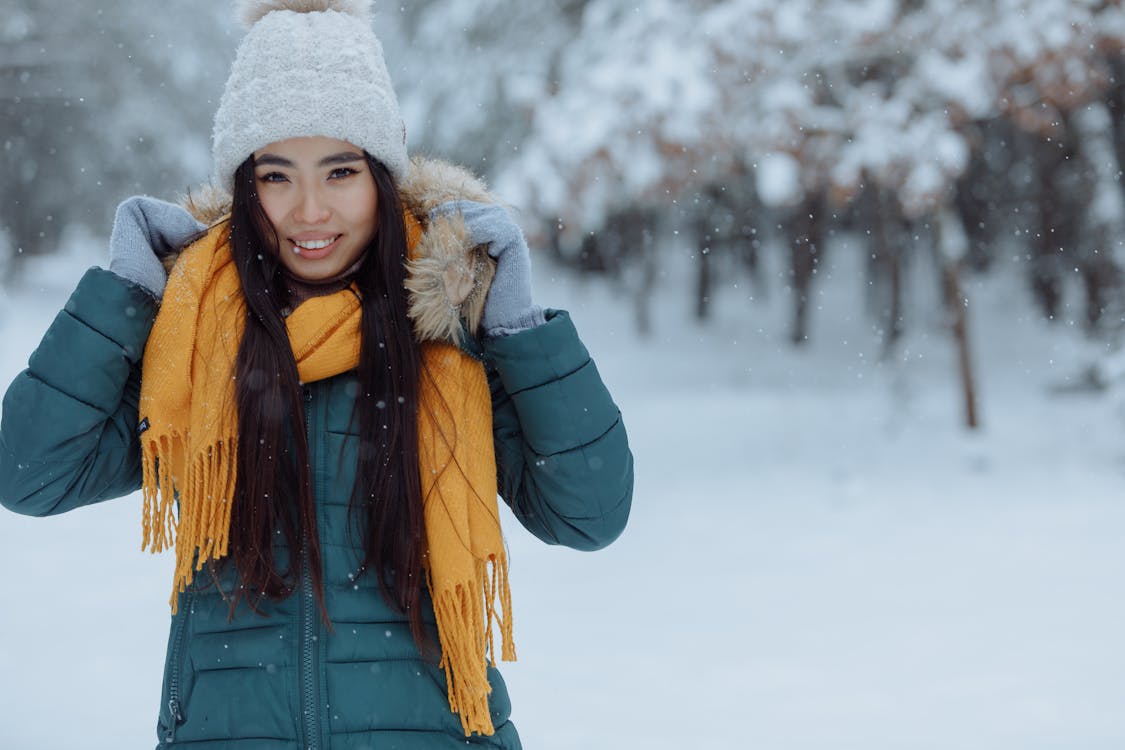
177 717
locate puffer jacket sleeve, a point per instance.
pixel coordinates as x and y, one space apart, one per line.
563 459
68 432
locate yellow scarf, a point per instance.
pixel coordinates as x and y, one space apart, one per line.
190 437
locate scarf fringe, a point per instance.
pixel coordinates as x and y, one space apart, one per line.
464 645
202 531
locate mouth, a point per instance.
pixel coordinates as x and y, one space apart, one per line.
314 249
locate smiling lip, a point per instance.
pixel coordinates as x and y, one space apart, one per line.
309 253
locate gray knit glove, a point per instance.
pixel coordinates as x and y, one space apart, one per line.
508 307
145 230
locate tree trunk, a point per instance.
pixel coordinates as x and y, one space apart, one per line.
638 254
885 266
1115 101
958 307
807 232
1061 194
554 241
642 300
703 281
1102 212
976 194
952 246
894 321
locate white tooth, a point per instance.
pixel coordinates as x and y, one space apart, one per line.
315 244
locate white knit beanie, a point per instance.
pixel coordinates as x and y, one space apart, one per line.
307 67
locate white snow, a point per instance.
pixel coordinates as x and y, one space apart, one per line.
819 554
779 180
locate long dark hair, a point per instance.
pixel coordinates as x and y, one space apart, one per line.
273 494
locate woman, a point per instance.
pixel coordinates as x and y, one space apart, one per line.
341 369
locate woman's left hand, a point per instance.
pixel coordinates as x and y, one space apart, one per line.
508 307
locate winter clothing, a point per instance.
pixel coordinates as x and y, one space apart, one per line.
282 680
305 68
190 442
144 228
508 308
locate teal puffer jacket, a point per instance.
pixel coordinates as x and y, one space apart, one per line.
282 680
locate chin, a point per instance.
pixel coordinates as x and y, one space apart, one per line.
320 269
315 273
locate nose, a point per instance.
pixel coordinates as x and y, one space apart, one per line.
311 207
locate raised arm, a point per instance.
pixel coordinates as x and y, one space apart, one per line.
68 432
563 459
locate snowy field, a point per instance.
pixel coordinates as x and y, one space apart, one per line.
819 556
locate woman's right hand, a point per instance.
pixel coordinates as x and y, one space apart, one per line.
144 230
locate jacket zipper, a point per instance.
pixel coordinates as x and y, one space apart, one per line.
308 658
308 623
175 716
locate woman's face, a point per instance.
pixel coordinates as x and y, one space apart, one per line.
319 195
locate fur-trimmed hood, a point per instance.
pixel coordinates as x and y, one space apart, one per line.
447 277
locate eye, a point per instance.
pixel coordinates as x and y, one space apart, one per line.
272 177
341 172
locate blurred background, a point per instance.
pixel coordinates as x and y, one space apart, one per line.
853 270
983 137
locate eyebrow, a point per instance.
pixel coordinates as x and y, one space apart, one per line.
344 157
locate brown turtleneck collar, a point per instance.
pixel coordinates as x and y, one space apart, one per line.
301 290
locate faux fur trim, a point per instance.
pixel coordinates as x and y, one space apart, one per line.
209 205
447 277
252 11
431 182
447 281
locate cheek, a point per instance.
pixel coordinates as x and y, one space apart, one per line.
272 207
363 212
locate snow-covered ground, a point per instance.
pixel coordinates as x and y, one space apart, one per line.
819 556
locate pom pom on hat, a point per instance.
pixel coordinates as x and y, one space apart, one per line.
252 11
316 70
